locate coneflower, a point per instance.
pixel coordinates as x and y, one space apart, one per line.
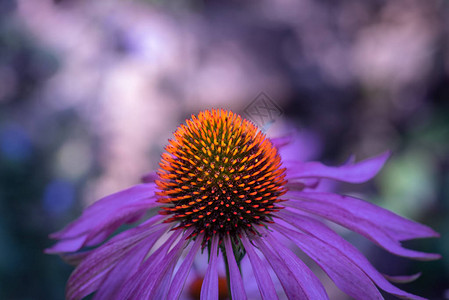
223 187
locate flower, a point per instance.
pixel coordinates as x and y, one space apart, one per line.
223 186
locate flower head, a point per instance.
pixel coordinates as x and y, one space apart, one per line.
223 186
221 176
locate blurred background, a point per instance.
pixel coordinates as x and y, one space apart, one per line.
90 91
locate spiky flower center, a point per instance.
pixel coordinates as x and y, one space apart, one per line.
221 175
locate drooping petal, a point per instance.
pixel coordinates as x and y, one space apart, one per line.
209 289
398 227
296 278
149 177
312 285
321 204
161 285
156 286
280 142
181 275
289 282
135 286
402 279
343 272
237 289
103 217
333 240
354 173
264 282
130 262
91 272
99 210
67 245
75 259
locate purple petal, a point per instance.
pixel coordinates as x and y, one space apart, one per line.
209 289
134 287
311 284
68 245
296 278
298 146
398 227
156 286
90 273
354 173
304 183
383 234
103 217
130 262
341 246
287 278
402 279
181 276
346 275
75 259
102 209
237 289
149 177
280 142
264 282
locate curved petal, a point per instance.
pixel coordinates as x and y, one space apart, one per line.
264 282
312 284
237 289
178 281
402 279
354 173
209 289
149 177
333 240
398 227
321 204
292 287
135 286
297 279
130 262
103 217
156 286
346 275
280 142
91 272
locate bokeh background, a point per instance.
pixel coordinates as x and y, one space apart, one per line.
90 91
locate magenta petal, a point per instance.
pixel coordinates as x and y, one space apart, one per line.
181 275
237 289
296 278
209 289
354 173
347 276
372 227
342 247
264 282
90 273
